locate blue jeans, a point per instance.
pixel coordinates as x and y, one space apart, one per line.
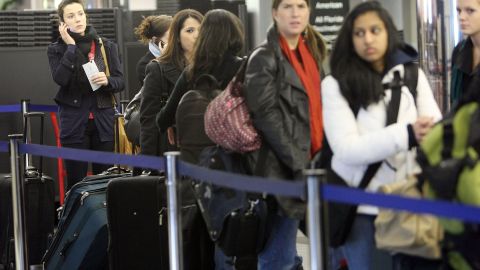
335 256
280 252
360 249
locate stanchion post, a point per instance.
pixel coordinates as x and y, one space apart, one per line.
315 219
174 217
18 202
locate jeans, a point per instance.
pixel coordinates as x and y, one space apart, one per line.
335 257
360 249
279 253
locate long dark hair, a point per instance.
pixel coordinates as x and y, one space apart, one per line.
359 83
174 52
221 32
313 39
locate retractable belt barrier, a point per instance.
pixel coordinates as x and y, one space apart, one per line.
258 184
31 107
315 187
3 146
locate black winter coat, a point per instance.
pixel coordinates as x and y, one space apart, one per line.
465 81
223 73
142 65
279 107
74 105
159 81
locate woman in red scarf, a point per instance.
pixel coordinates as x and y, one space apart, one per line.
282 92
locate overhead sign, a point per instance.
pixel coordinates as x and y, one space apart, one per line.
327 17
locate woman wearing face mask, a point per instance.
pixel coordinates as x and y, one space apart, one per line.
86 115
365 57
282 93
465 83
161 76
153 31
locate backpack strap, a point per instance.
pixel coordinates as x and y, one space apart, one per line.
448 138
410 78
392 115
396 86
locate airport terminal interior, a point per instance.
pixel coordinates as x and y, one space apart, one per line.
27 27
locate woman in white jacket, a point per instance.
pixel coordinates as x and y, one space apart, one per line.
366 54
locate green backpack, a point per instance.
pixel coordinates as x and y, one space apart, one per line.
449 157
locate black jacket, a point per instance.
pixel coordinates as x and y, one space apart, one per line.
223 73
159 81
74 106
465 81
141 66
279 107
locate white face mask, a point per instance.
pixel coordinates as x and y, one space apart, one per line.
154 49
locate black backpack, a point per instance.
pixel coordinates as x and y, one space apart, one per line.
189 122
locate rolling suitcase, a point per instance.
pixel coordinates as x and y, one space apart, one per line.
40 208
138 226
81 239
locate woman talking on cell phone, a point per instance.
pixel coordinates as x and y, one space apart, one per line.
87 68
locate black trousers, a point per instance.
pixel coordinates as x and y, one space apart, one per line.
77 170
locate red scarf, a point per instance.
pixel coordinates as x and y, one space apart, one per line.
310 77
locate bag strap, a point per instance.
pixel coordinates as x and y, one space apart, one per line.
107 70
104 56
392 114
392 110
410 78
164 86
262 160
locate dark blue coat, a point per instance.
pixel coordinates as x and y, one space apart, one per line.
75 105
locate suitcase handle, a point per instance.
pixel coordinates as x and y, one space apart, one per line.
29 168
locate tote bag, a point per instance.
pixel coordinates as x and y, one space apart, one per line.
406 232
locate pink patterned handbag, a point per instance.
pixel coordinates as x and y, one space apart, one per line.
227 120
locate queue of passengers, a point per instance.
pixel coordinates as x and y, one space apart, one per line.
295 107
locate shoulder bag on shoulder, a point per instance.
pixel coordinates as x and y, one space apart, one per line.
227 120
406 232
132 118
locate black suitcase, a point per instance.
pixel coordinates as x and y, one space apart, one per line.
40 210
81 239
138 226
40 218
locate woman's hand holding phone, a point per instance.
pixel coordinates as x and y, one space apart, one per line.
62 28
